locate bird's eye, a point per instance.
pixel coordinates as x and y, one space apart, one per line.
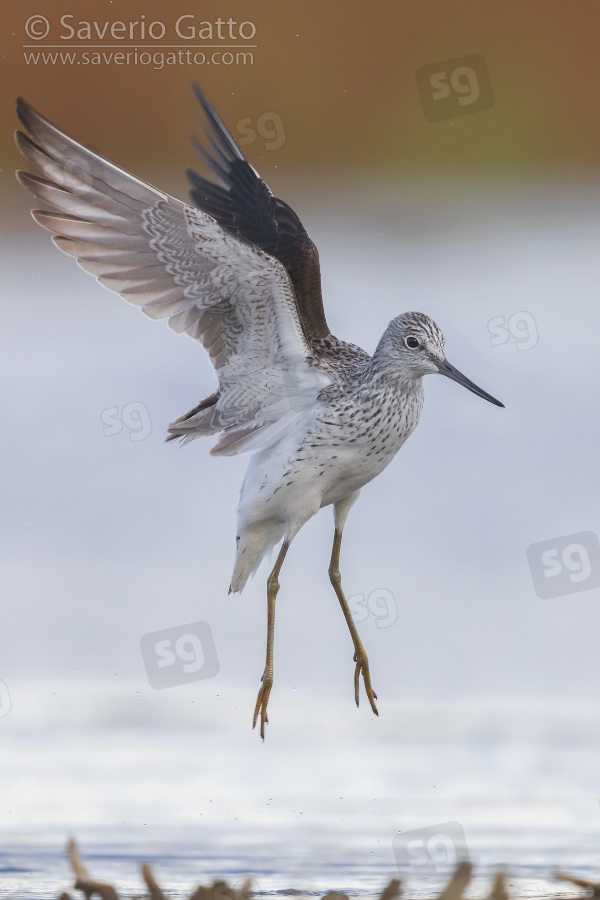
411 342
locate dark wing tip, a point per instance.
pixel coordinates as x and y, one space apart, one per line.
216 122
26 146
30 181
25 179
26 113
243 204
192 176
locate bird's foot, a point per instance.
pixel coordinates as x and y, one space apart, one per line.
362 666
261 703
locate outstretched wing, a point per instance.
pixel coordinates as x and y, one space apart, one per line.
176 261
243 204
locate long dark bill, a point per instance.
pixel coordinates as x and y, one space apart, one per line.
444 368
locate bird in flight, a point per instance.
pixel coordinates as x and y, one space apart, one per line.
237 271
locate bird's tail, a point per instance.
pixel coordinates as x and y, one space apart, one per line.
196 423
254 543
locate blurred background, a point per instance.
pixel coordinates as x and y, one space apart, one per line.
444 158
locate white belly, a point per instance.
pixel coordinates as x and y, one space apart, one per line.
291 481
321 461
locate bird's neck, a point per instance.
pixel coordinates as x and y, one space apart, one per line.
383 374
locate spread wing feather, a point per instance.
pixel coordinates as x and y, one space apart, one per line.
243 204
175 261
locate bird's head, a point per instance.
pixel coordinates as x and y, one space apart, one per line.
416 346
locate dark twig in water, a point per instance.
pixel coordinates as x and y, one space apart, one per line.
593 887
83 882
221 890
151 883
392 891
499 890
459 882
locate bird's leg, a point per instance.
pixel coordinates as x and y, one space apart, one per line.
267 678
360 657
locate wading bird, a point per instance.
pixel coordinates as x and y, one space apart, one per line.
238 272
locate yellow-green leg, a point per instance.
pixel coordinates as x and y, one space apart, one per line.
341 510
267 678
